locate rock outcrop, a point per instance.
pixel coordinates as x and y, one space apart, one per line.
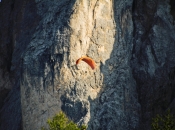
131 41
104 98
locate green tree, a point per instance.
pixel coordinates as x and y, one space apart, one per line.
61 122
164 122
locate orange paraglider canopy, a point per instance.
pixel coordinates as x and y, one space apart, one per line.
88 60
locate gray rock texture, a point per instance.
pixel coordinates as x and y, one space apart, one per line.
17 24
131 41
153 57
102 98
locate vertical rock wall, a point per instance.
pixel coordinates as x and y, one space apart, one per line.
104 98
17 24
131 41
117 106
44 64
153 57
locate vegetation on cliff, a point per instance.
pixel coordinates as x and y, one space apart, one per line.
164 122
61 122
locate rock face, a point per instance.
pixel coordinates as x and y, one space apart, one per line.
153 57
131 41
17 22
50 80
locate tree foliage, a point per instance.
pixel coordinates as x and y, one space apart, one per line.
61 122
163 122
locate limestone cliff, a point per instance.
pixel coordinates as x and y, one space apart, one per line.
153 57
131 41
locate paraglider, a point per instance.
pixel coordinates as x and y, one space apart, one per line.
88 60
